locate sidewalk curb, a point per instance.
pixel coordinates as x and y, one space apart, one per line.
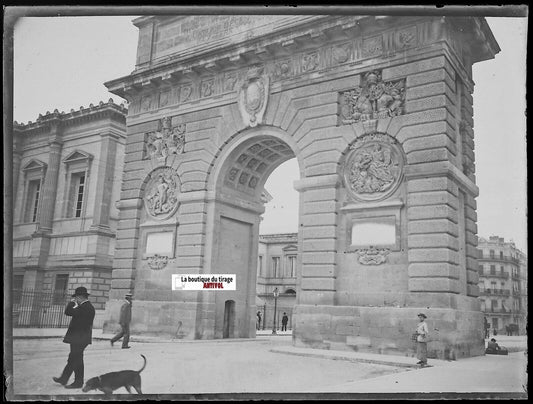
346 358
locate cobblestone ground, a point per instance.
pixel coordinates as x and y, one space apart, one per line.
190 367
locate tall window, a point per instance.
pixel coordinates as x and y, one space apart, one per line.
77 176
501 255
292 266
32 202
491 252
493 269
18 281
77 194
275 267
60 288
260 265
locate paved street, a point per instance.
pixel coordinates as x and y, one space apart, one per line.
267 364
191 367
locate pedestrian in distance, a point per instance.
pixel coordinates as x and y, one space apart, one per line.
284 321
422 333
258 323
487 327
79 335
124 321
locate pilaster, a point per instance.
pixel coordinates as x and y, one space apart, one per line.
318 257
106 170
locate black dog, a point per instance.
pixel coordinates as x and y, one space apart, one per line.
114 380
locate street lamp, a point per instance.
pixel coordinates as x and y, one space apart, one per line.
276 294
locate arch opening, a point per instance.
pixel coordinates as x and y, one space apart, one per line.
239 209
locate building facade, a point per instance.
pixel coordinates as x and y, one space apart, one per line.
377 110
503 284
67 169
276 268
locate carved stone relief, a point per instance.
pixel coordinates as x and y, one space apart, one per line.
253 96
372 255
374 167
374 99
406 37
165 141
161 193
468 164
207 88
282 69
341 53
310 62
372 47
157 261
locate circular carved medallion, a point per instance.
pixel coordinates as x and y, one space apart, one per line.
161 195
374 167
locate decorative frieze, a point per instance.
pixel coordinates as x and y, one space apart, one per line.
278 69
374 99
167 140
161 193
374 167
372 255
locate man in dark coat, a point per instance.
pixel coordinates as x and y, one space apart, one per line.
284 321
124 321
79 335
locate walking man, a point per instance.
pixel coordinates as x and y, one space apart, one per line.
124 321
258 323
284 321
422 332
79 335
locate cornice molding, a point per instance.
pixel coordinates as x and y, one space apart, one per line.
100 111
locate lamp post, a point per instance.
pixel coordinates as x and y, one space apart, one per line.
276 294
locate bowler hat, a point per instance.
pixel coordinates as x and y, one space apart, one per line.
422 315
128 295
81 291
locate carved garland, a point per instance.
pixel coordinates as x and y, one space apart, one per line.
157 261
373 256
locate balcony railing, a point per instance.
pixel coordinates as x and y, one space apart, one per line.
494 274
505 258
496 292
498 311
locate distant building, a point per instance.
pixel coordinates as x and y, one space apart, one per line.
276 268
503 284
67 171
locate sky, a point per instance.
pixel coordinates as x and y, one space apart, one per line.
62 62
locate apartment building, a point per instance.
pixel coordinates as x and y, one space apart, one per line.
503 284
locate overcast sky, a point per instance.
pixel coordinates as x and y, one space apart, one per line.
62 63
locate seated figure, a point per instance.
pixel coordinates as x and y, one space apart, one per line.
494 348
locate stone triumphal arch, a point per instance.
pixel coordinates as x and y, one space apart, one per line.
378 113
